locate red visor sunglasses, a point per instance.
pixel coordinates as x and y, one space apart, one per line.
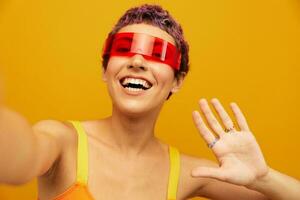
150 47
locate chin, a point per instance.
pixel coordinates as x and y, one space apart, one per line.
135 108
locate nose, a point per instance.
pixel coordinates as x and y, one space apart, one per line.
137 62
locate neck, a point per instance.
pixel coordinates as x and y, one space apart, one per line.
131 134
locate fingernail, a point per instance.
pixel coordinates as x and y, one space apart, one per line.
213 100
232 103
203 100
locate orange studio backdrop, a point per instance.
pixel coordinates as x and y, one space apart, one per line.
242 51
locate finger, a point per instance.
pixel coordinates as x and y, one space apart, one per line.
222 113
241 120
204 131
212 121
209 172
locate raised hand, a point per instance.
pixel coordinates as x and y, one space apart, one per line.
241 161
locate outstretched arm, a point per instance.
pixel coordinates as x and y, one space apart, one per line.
241 161
17 147
26 152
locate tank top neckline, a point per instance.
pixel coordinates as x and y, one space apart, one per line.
82 167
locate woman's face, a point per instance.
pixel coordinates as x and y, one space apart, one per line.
157 77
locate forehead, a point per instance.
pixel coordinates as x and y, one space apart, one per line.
148 29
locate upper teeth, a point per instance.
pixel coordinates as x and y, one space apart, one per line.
136 81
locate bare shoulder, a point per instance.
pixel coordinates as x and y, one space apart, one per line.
58 160
58 129
55 138
188 185
51 125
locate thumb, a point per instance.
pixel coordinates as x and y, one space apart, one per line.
208 172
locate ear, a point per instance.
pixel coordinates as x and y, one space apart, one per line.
178 81
104 78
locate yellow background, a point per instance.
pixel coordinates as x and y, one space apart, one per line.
243 51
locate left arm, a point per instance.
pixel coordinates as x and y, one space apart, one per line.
219 190
241 161
276 185
272 187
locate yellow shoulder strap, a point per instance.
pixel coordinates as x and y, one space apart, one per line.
174 172
82 154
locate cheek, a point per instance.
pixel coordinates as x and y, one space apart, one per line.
114 65
163 73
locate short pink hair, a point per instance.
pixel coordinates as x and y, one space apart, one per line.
155 15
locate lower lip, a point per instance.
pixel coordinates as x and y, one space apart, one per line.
132 93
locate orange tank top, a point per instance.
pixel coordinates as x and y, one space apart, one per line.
79 190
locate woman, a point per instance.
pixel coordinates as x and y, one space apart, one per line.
145 60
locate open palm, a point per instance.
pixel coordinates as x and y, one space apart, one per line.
240 158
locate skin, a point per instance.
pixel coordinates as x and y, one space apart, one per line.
126 160
125 141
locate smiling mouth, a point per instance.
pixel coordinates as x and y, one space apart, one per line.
135 84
